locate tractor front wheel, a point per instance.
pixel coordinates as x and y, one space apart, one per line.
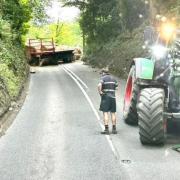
150 108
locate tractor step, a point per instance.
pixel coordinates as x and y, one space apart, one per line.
176 147
172 115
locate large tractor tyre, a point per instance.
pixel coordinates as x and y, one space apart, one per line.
130 99
150 108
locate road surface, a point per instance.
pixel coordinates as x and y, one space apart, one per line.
56 135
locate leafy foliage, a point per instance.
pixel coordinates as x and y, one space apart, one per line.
12 66
118 54
17 13
5 29
103 20
39 16
113 30
63 33
14 16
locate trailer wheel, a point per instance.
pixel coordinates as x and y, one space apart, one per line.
130 99
150 107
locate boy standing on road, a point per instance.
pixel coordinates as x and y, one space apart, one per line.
106 89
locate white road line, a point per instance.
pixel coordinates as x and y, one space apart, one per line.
84 84
94 110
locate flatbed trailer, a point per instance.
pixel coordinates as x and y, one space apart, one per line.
44 50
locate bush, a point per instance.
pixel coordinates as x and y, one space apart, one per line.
13 67
119 53
9 79
5 29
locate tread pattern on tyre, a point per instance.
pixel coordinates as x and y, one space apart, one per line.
150 116
131 116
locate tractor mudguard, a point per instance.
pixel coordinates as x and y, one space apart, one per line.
144 68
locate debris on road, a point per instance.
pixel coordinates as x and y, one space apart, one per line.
32 70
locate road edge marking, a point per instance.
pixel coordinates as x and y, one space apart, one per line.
78 78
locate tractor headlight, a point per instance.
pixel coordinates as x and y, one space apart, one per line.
168 31
159 51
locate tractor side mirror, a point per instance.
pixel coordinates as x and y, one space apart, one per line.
149 36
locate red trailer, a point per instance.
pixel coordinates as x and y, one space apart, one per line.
44 50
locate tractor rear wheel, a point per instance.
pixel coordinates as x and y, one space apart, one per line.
130 99
150 108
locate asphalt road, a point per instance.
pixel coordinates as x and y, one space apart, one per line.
56 135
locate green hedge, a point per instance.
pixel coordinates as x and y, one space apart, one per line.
119 53
13 67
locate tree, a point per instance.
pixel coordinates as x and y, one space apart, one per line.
99 19
133 13
39 16
19 12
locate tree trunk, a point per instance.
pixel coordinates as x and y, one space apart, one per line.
153 10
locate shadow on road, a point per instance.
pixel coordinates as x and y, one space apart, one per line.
173 132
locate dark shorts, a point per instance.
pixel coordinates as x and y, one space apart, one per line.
108 104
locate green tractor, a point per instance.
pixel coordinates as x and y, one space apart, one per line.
153 86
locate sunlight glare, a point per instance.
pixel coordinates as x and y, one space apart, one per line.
56 11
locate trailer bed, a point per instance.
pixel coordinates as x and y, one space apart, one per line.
43 49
